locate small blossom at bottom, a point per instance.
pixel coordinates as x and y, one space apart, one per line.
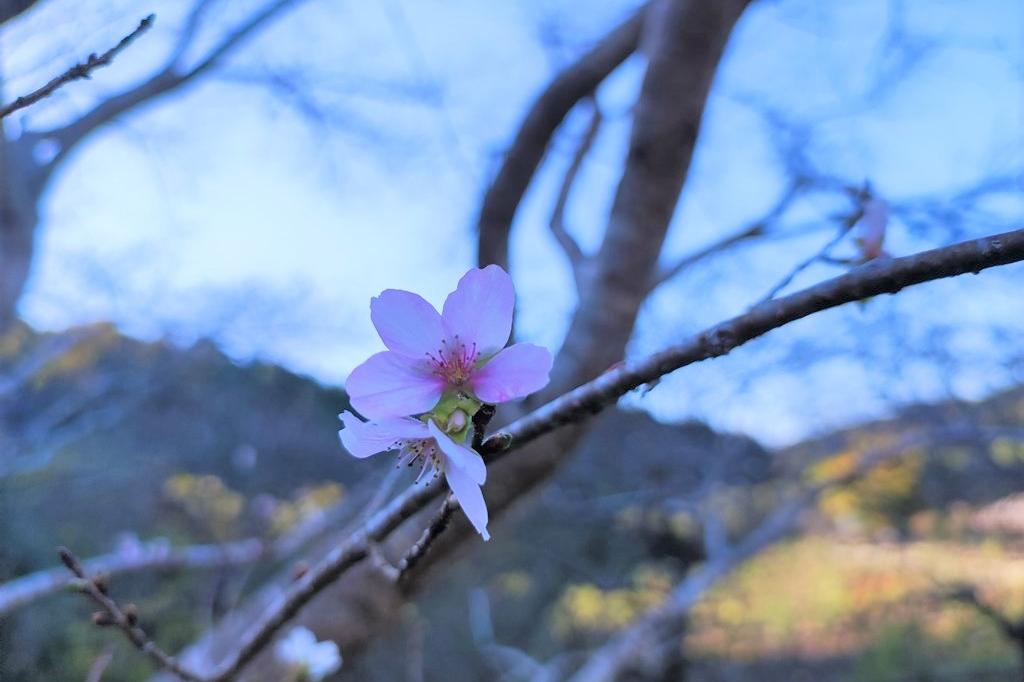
303 654
870 229
429 446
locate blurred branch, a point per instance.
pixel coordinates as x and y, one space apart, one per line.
523 157
172 76
862 196
12 8
757 228
124 619
152 557
155 556
80 71
577 259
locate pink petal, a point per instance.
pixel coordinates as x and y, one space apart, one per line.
871 227
390 385
363 439
515 372
459 456
407 324
467 492
480 309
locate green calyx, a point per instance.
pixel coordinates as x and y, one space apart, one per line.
454 414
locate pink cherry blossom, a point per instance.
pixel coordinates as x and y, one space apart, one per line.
427 445
871 229
462 349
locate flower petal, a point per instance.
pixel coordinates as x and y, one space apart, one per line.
407 324
480 309
363 439
391 385
515 372
470 498
460 456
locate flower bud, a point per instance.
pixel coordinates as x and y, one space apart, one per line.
457 422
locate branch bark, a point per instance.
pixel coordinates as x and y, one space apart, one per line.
524 156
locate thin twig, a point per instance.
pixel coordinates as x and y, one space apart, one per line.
821 254
79 71
419 548
99 666
572 250
124 619
757 228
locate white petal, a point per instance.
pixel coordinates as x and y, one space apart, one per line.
459 456
467 492
363 439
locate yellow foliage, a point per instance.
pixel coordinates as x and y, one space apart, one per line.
515 583
820 597
1007 452
13 341
587 609
309 502
80 356
885 490
206 500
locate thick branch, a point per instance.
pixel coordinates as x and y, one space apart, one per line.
684 42
82 70
524 156
872 279
9 9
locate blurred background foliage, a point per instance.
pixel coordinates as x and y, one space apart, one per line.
207 450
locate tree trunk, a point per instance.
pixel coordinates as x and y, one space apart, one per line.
19 218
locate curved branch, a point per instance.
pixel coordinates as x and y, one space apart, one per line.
527 151
577 259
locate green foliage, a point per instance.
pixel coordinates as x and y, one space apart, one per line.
913 650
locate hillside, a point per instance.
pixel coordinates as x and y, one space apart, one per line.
103 435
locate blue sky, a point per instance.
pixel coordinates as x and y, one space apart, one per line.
223 211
